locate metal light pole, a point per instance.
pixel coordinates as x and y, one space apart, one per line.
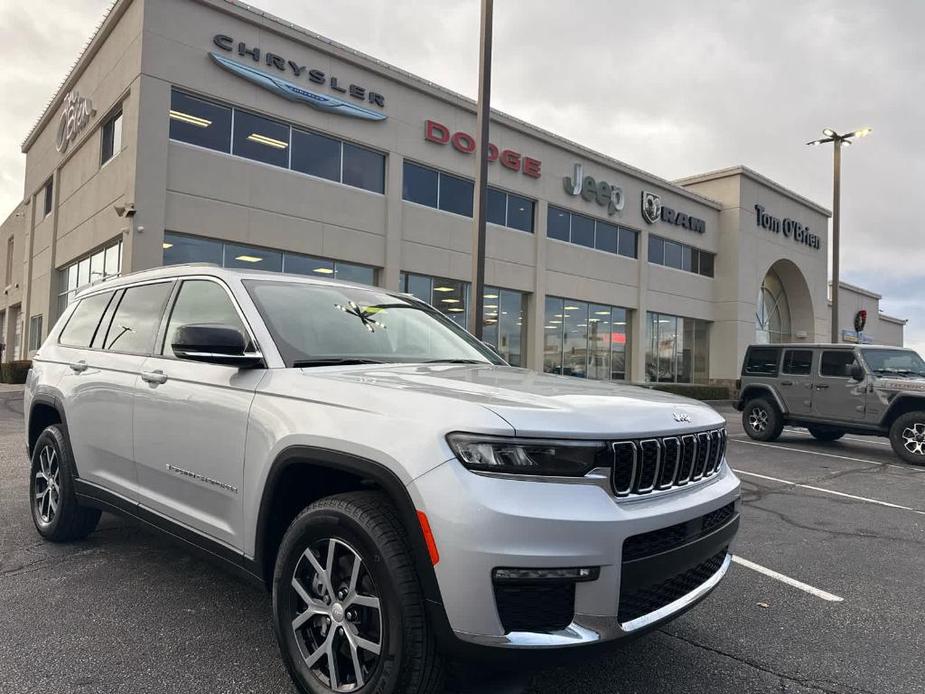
838 141
481 178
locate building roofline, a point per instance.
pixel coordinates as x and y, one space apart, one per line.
857 289
364 61
893 319
742 170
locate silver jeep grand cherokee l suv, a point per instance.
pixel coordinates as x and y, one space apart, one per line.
406 495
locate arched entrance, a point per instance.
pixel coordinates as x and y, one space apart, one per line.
784 309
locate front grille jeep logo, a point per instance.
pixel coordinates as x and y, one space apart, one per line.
681 417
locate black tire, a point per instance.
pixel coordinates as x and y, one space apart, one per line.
364 526
762 420
825 433
907 435
55 511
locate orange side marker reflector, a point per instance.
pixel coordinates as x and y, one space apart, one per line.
429 538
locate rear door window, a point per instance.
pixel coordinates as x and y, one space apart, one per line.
137 319
84 321
762 361
835 364
798 362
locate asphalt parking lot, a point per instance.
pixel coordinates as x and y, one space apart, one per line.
126 611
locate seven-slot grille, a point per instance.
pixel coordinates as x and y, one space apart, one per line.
649 465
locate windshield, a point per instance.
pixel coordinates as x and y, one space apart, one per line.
319 325
898 362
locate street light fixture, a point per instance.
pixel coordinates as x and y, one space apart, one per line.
838 141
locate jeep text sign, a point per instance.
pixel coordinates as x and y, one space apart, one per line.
590 189
787 227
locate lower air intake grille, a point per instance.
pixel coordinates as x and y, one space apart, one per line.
535 608
638 602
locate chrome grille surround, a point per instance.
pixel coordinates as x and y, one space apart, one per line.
644 466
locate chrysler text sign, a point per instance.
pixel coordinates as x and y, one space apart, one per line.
465 143
790 228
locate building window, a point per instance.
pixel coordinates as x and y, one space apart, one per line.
10 249
676 349
455 195
579 229
99 265
48 196
260 139
584 340
450 297
180 248
111 137
504 323
35 333
207 124
199 122
680 256
772 312
509 210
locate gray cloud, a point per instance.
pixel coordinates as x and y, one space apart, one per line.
670 86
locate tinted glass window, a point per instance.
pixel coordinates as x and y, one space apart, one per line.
627 243
355 273
261 139
199 122
316 155
496 207
672 254
419 184
656 250
201 301
519 213
583 230
191 249
364 168
83 322
606 238
136 320
762 361
456 195
307 265
557 223
798 362
49 196
836 364
111 138
686 258
706 263
253 258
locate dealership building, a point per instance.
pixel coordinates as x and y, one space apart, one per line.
206 130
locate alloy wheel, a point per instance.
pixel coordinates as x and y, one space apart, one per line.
914 439
337 619
758 419
47 485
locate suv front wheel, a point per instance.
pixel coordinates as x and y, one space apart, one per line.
347 606
762 420
907 435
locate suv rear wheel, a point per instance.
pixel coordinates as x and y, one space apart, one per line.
762 420
907 435
347 606
55 511
825 433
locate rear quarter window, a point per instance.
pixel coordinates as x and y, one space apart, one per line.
762 361
84 321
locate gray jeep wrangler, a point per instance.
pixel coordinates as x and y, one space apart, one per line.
836 389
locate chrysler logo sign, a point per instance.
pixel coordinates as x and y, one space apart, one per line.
589 189
653 209
273 82
78 111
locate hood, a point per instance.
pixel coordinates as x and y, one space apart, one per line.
901 384
534 404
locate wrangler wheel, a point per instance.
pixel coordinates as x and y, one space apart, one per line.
907 435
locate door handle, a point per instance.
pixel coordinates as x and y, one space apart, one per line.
786 383
154 377
79 367
822 386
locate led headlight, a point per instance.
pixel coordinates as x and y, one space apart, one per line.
528 456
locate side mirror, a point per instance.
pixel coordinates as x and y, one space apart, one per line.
856 372
214 344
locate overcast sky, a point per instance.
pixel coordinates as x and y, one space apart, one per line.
672 86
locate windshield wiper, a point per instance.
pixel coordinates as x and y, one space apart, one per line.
334 361
455 361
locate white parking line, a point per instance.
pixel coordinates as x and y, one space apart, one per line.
870 440
805 587
830 491
735 439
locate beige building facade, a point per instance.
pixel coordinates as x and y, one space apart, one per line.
204 130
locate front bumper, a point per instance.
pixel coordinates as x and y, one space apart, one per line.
481 523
